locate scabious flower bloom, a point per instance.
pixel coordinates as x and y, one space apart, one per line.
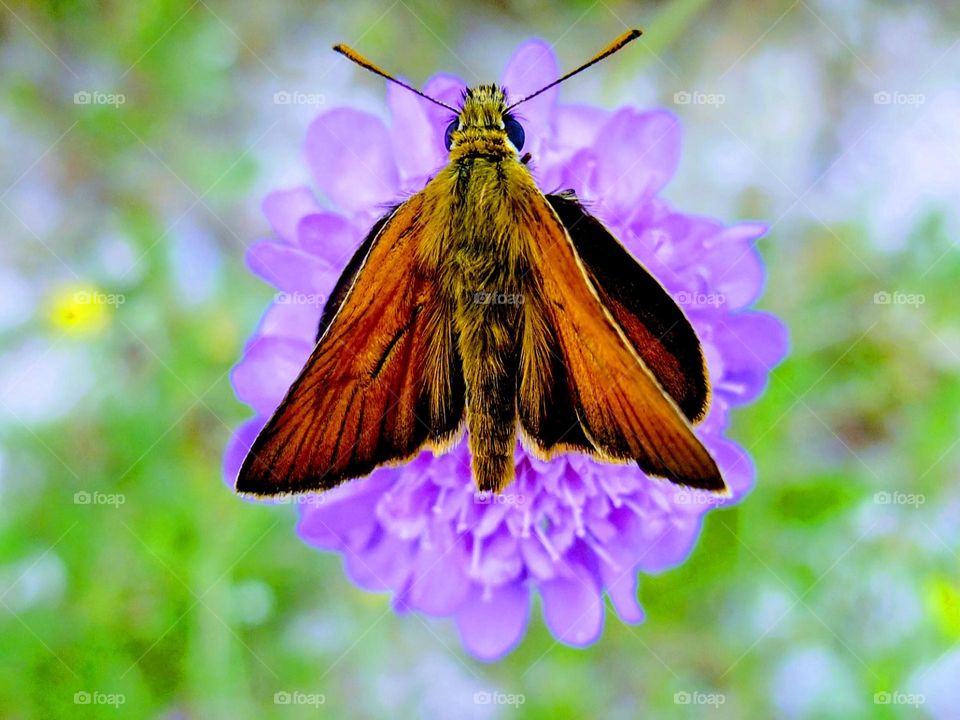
570 529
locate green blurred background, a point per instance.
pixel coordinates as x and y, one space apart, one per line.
837 580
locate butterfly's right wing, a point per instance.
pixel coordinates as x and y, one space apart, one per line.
383 381
651 320
583 386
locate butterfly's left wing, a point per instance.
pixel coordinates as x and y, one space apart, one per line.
383 381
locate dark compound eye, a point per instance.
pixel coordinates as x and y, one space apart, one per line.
514 132
448 135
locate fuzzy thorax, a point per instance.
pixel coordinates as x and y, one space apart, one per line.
481 130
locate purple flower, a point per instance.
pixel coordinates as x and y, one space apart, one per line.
570 529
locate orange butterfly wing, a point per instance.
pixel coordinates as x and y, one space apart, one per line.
580 370
651 319
383 381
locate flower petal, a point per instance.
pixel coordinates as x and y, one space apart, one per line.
241 440
622 590
351 157
343 518
532 67
438 584
284 208
491 623
328 236
291 316
290 269
418 146
572 608
752 343
267 369
637 154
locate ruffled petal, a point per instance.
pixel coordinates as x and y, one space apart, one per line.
414 133
532 67
572 608
241 440
637 154
352 159
290 269
328 236
492 622
292 317
438 584
268 368
284 208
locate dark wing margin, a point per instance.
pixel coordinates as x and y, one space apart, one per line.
648 316
383 381
622 410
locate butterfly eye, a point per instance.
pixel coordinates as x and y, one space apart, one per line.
514 132
448 135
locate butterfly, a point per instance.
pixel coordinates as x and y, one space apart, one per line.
482 302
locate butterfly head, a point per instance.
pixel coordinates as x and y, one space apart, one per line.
484 126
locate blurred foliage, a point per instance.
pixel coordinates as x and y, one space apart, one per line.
803 601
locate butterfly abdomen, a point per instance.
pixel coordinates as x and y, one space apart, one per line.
488 321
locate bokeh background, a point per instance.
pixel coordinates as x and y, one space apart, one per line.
136 141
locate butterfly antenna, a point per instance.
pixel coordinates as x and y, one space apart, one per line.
617 44
377 70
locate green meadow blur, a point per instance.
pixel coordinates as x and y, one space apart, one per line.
133 583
